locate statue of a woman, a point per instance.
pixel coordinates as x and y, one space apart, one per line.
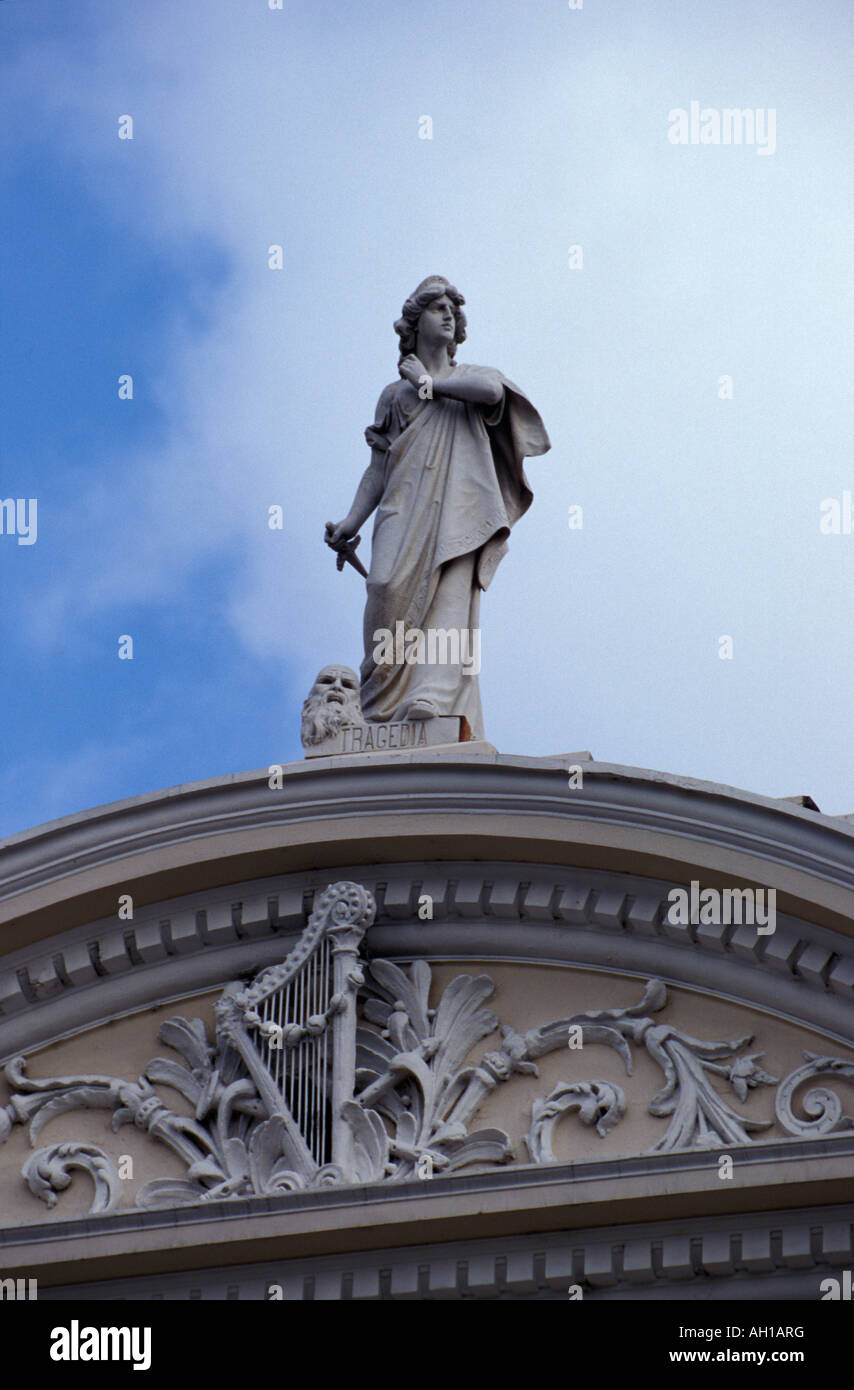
447 481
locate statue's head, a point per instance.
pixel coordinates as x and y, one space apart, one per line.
433 288
332 704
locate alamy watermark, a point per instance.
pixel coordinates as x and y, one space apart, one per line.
437 646
76 1343
19 516
837 515
833 1289
730 125
18 1289
723 906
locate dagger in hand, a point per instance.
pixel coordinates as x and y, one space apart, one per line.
345 550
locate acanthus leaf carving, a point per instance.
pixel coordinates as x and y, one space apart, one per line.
822 1106
392 1091
46 1172
411 1071
599 1103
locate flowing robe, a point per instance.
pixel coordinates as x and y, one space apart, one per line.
453 485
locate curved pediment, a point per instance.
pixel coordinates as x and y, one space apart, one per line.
457 802
522 1005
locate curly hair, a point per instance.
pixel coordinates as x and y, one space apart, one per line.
406 326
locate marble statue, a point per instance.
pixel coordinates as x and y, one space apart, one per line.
447 483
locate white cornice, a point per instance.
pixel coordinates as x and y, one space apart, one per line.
592 919
403 807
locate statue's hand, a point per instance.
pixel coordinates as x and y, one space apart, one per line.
412 369
336 533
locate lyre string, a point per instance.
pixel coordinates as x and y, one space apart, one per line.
301 1072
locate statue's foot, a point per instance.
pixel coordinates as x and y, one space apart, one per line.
422 709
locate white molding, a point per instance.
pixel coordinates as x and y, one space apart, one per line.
779 1254
591 919
357 808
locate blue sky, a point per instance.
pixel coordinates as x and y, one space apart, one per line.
252 387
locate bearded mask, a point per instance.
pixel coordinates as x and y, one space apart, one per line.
332 704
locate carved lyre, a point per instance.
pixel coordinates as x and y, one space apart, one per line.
295 1029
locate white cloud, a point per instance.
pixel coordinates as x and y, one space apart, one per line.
254 127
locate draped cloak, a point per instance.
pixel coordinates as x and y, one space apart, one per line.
453 485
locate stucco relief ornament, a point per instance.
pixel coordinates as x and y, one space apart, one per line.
324 1071
47 1172
270 1098
598 1103
823 1107
701 1118
411 1072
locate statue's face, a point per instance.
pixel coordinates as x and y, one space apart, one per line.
438 322
336 685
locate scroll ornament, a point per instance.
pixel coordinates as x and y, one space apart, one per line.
297 1091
